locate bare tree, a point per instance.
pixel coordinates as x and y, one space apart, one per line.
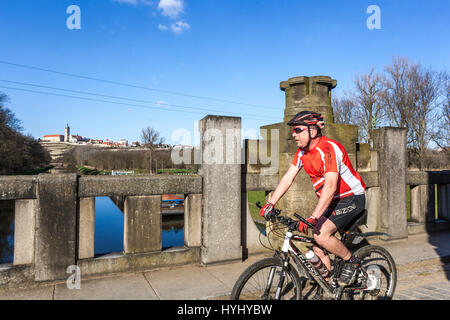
441 134
446 111
362 106
7 117
428 91
369 111
343 110
412 97
398 96
151 138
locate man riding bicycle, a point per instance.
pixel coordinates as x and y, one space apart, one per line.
340 189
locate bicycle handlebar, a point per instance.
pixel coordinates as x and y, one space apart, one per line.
286 221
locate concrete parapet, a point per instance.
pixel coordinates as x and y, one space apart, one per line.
373 209
391 146
24 231
86 228
55 226
254 182
422 203
193 220
138 262
18 187
221 231
370 178
98 186
142 224
427 177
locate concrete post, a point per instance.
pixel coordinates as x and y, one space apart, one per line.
142 224
373 209
422 203
24 231
220 144
55 225
86 230
193 220
391 146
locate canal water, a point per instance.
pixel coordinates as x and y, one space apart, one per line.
108 229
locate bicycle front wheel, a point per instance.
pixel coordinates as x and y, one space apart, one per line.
266 280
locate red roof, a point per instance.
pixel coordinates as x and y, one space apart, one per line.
172 197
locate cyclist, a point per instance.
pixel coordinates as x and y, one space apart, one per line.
340 189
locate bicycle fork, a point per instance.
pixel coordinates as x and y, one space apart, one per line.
280 281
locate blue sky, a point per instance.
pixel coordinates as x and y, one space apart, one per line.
210 52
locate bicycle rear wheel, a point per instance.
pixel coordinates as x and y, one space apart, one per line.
261 280
381 278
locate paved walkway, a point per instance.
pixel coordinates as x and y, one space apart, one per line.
422 275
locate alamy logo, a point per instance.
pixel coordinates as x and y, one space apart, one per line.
74 281
74 20
374 20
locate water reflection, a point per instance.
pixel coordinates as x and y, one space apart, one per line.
108 235
6 231
109 227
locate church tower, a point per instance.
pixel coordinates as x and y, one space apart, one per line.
67 133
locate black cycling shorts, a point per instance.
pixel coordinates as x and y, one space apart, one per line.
343 211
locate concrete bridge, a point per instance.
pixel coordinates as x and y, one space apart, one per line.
55 214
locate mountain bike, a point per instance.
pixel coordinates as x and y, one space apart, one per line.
277 278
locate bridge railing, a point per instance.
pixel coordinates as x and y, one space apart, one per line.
54 223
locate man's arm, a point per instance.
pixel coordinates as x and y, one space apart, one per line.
328 190
284 184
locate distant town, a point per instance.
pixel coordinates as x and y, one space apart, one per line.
72 138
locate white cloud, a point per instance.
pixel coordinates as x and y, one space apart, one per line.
179 26
171 8
162 103
162 27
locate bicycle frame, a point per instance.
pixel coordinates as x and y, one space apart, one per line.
301 261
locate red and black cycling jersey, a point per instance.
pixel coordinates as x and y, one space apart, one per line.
330 156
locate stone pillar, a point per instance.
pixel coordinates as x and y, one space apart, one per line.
391 146
373 209
24 231
86 230
193 220
220 144
142 224
314 94
56 219
422 203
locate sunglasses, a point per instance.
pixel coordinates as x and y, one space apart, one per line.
298 130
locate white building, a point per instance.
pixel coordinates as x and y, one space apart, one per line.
53 138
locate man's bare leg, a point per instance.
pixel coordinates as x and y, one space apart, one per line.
324 236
